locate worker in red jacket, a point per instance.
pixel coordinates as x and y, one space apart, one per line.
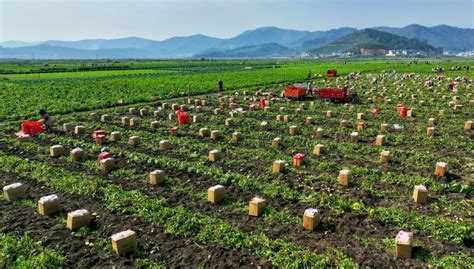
402 111
183 117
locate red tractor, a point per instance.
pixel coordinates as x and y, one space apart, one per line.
338 95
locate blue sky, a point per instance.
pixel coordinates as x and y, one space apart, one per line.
38 20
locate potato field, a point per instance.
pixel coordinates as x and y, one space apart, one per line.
306 183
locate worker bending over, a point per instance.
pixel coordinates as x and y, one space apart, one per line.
46 120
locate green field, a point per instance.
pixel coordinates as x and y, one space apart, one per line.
64 92
175 224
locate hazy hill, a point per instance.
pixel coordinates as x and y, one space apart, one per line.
96 44
54 52
372 39
443 36
258 51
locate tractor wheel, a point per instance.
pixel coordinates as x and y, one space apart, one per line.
355 99
327 100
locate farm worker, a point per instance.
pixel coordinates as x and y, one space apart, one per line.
183 117
221 86
402 110
309 87
375 111
46 120
451 85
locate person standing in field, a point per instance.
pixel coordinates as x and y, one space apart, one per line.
46 120
309 87
221 86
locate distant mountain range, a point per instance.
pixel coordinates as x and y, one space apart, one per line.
261 42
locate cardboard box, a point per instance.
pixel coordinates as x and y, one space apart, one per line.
154 124
380 140
278 166
77 219
174 131
14 191
107 165
79 130
256 206
214 155
441 168
115 136
293 130
204 132
420 194
134 140
468 125
215 134
124 242
68 127
106 117
319 133
56 151
229 122
77 154
134 122
48 205
385 156
24 138
311 218
94 116
344 177
431 122
318 149
343 124
403 244
165 145
125 120
276 142
157 177
354 137
237 136
216 194
430 131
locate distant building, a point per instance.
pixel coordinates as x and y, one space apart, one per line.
392 53
372 52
